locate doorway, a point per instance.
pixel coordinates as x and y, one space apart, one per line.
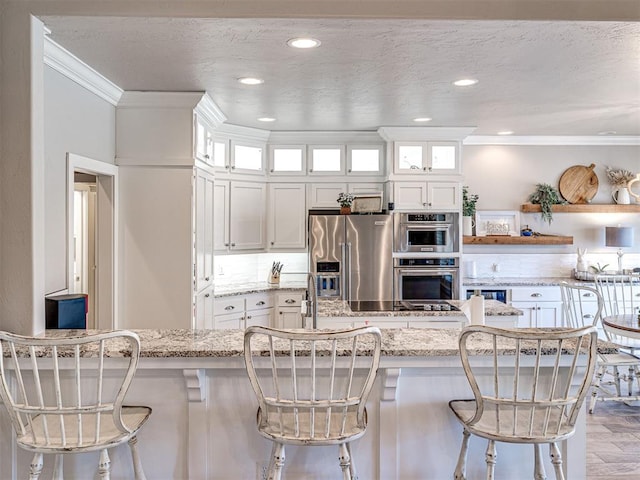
92 240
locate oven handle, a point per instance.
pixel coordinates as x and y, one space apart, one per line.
422 271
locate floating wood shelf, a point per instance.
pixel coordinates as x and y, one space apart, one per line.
583 208
500 240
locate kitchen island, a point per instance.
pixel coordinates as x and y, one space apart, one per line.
203 421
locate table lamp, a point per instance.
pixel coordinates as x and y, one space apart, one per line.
619 237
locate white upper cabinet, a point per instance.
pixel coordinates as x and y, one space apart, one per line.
426 157
221 195
203 141
220 153
437 196
204 230
365 159
287 160
325 195
247 215
247 157
326 159
287 216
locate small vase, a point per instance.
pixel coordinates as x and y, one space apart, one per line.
621 196
345 210
467 226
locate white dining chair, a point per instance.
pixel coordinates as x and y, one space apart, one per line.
312 387
621 295
59 402
578 311
528 387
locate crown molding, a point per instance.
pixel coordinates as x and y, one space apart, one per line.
64 62
418 134
324 137
209 111
553 140
136 99
238 132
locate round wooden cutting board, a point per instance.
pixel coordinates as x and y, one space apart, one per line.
579 184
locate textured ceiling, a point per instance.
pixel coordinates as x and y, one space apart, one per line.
536 77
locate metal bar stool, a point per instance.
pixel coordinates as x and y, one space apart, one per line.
312 387
59 403
528 388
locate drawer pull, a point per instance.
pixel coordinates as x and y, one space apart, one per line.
229 307
289 301
260 303
587 295
587 315
536 294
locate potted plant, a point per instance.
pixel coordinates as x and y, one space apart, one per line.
345 200
468 210
546 196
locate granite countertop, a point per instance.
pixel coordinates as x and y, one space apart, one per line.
520 281
405 342
256 287
340 308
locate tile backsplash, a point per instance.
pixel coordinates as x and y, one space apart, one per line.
497 265
255 267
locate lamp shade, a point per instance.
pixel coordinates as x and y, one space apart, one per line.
618 236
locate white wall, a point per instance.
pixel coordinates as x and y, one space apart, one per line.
79 122
505 176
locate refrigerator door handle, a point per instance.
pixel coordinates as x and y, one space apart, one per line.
343 269
349 271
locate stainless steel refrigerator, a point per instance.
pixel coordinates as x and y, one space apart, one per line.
350 256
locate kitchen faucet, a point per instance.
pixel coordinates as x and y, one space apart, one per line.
311 302
309 306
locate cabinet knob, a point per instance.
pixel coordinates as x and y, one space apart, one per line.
226 166
429 203
206 295
226 244
536 294
233 244
207 156
311 170
424 168
424 204
289 300
206 279
349 171
248 317
233 167
273 243
430 168
260 303
271 170
229 307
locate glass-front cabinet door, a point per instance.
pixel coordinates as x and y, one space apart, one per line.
426 157
364 160
287 160
326 159
247 158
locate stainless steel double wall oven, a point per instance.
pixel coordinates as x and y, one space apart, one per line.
423 276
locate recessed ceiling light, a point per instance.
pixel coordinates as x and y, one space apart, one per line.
505 132
250 81
422 119
303 42
465 82
266 119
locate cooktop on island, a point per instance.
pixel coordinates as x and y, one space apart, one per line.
402 306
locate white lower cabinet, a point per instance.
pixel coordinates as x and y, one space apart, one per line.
240 312
541 306
259 310
204 309
288 306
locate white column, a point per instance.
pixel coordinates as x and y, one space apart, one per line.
21 173
388 447
198 461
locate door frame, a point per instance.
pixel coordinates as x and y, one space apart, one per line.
106 282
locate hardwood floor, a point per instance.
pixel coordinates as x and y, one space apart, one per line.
613 442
